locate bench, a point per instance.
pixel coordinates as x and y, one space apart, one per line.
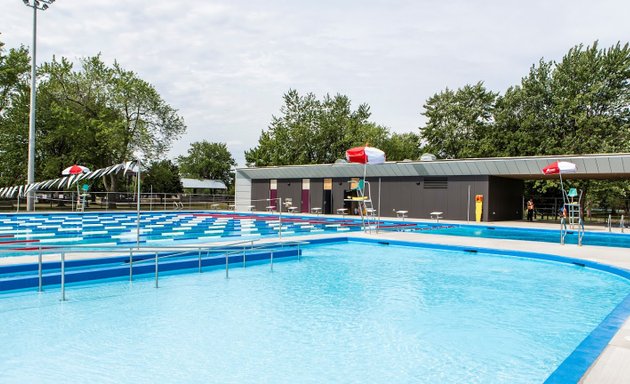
436 215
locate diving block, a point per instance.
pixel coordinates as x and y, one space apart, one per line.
436 215
401 214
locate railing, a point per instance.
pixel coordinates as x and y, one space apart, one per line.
119 255
107 201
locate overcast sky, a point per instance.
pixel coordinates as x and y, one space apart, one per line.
226 64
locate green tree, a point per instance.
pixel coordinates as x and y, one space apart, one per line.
402 146
312 131
591 89
459 122
14 110
99 116
162 177
206 160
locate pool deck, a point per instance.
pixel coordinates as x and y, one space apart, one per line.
610 367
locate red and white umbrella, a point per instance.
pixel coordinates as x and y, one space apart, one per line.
558 167
365 155
75 170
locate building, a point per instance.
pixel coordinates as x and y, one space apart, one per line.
418 187
195 185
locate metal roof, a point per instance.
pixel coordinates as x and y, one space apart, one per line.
203 184
597 166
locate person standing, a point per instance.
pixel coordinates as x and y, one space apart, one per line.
530 209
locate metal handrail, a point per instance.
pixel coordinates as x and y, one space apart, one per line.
563 230
226 251
79 248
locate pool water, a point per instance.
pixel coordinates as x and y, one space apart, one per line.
531 234
26 233
345 312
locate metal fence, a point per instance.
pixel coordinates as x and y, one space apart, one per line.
550 208
112 201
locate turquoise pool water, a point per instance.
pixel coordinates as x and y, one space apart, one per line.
346 312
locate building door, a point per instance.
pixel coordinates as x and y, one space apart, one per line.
327 203
273 193
306 198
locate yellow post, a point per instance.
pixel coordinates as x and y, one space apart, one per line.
478 207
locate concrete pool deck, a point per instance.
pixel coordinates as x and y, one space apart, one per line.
610 367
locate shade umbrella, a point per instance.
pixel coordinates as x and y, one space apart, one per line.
365 155
558 168
75 170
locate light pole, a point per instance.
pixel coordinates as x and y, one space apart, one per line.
138 206
41 5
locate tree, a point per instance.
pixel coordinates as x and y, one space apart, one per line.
591 89
162 177
523 113
459 122
99 116
14 111
312 131
402 146
206 160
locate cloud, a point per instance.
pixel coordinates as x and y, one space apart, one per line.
226 64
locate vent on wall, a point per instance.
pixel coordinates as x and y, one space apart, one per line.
435 183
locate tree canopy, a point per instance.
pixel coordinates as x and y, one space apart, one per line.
162 176
206 160
14 108
95 115
578 105
312 131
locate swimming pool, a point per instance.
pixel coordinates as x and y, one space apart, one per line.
346 312
34 231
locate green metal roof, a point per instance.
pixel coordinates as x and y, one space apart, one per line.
597 166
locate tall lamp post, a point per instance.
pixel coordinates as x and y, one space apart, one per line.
41 5
137 156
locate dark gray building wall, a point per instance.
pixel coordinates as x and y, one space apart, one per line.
260 191
317 193
290 189
505 201
418 195
339 186
458 197
447 194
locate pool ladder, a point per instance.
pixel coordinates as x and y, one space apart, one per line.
564 231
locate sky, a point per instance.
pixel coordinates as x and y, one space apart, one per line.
225 65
